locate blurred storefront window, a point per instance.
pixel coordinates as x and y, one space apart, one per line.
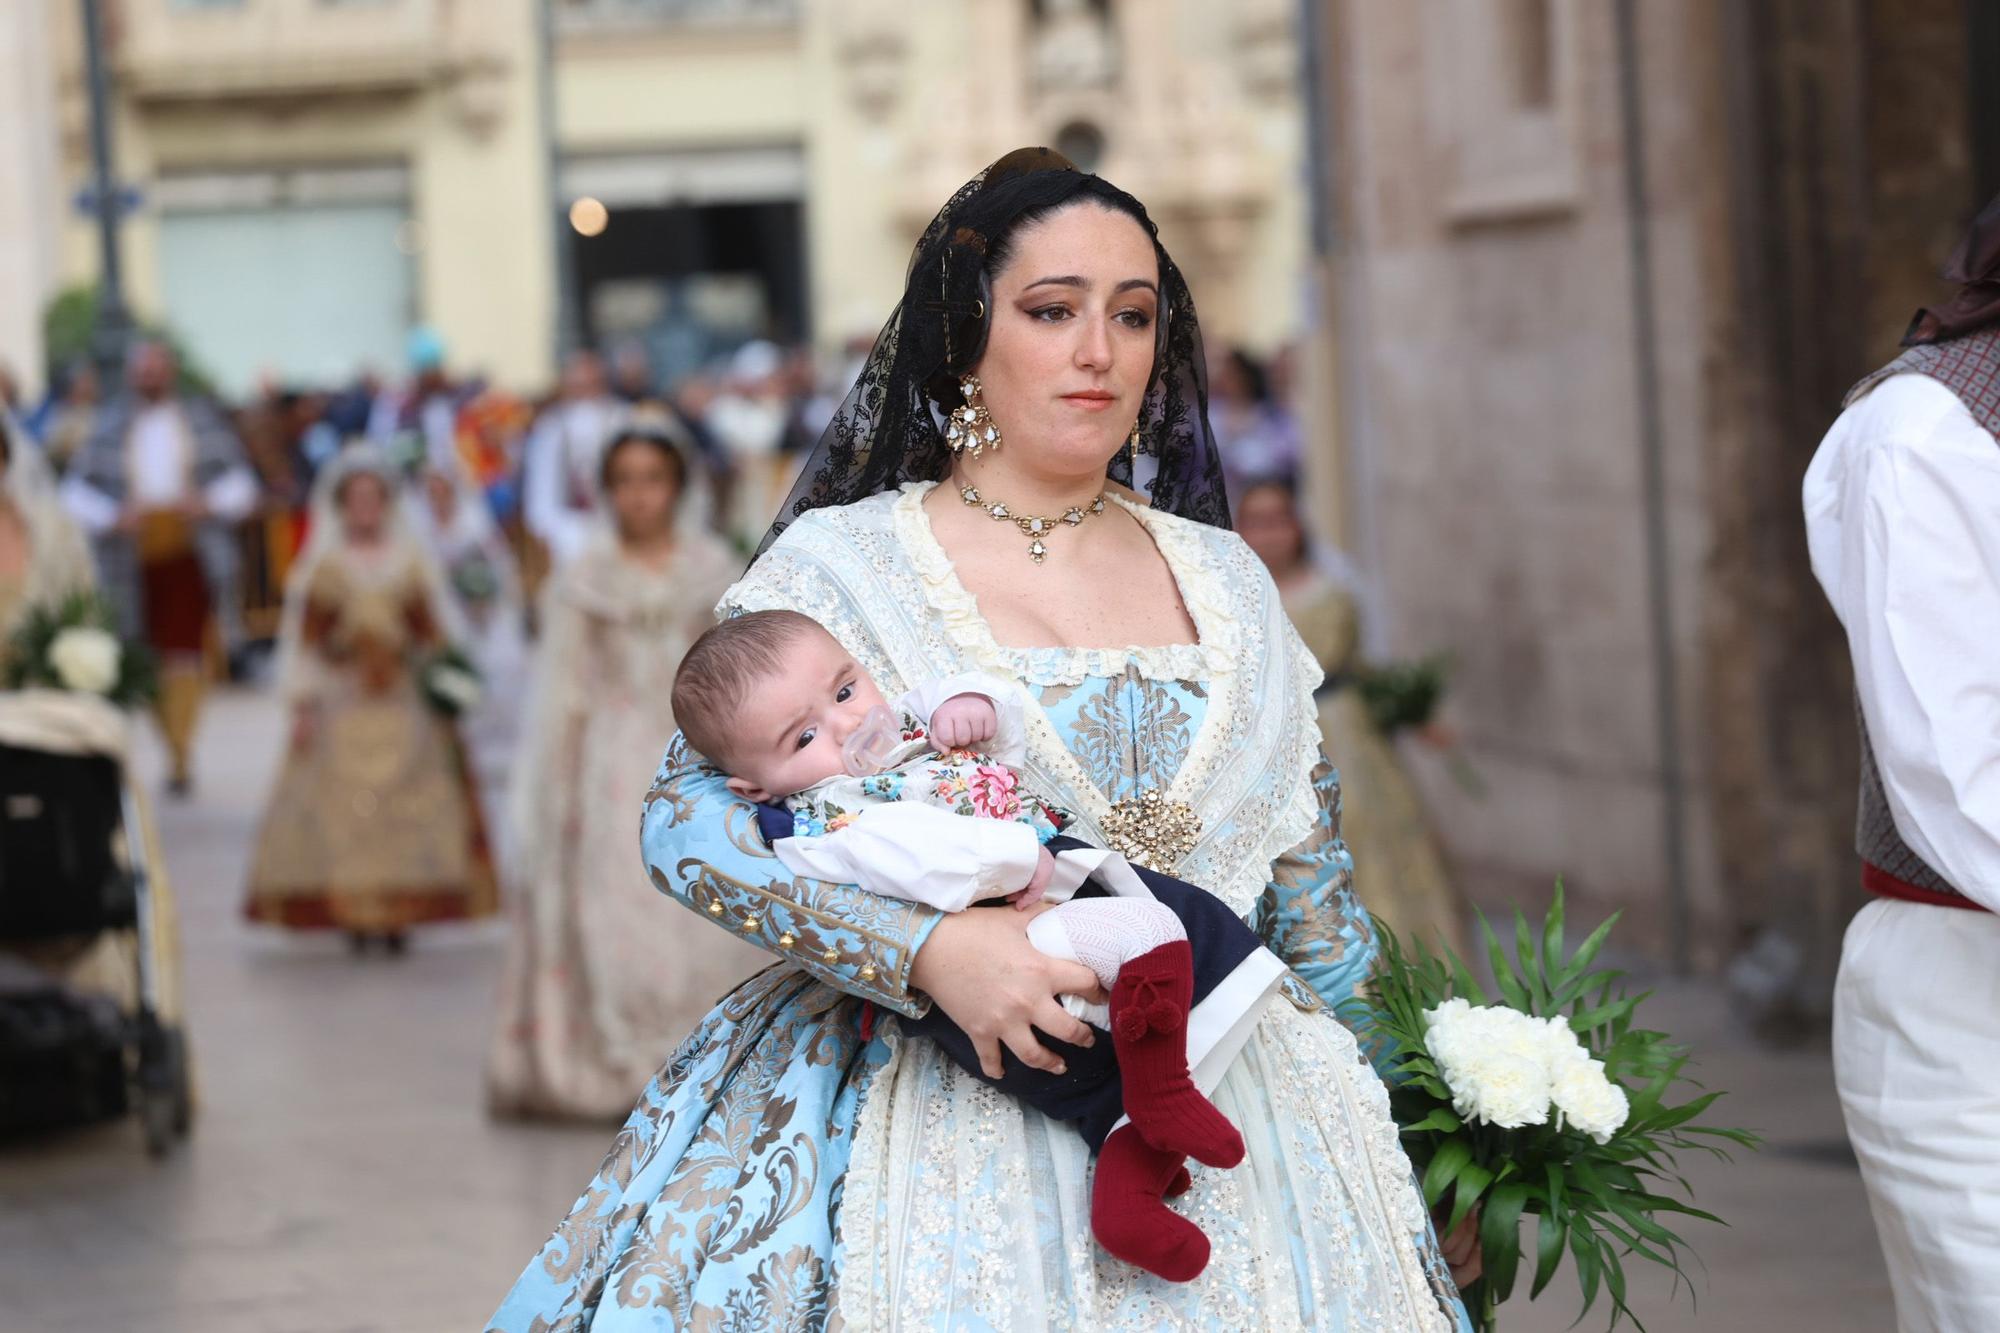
615 12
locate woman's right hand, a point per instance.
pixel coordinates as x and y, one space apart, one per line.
979 967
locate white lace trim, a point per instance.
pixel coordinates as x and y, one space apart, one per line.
873 574
1238 861
1211 655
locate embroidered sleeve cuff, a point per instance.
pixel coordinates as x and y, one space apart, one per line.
703 849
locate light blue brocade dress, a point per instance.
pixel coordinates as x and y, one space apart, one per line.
784 1172
720 1203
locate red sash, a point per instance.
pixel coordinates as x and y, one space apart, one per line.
1883 884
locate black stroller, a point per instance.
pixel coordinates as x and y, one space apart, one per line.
76 879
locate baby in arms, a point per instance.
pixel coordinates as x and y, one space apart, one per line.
925 804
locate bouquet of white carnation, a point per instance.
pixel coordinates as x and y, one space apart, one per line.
1543 1099
451 683
73 645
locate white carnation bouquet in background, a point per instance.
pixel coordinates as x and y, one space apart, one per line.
73 645
451 683
1543 1099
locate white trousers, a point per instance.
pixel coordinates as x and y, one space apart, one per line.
1916 1055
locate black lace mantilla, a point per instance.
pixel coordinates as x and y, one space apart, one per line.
890 428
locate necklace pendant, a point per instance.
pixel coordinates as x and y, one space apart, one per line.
1033 526
1151 831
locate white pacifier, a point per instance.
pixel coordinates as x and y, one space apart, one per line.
867 748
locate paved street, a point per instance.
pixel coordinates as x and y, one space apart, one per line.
343 1176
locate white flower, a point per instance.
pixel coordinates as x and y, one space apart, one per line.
1492 1059
1589 1101
1505 1088
1560 1047
85 659
1505 1068
460 687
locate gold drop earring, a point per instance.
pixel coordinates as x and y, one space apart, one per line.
971 428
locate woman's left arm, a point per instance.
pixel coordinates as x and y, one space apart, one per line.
1308 914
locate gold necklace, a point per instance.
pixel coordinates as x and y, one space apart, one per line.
1032 527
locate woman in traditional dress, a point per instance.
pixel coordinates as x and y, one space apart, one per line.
43 554
1398 868
45 560
374 826
591 1004
483 588
800 1163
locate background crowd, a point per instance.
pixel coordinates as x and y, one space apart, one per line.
336 547
527 455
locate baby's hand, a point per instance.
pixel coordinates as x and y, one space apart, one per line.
1038 884
963 721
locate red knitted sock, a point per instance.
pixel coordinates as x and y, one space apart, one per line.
1149 1009
1128 1217
1181 1183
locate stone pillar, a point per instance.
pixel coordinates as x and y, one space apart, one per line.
1845 124
32 201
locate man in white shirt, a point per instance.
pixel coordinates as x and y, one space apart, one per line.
1902 509
564 453
160 487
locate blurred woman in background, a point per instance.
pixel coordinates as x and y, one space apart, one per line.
1254 428
1398 869
43 555
482 585
374 826
591 1002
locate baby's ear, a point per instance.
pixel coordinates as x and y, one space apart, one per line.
748 790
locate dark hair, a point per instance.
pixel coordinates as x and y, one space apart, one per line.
1288 482
1023 189
1255 378
722 665
356 474
657 440
1287 485
887 431
1000 249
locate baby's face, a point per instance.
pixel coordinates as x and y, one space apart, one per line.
791 727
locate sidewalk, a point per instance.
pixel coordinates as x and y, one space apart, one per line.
1800 1250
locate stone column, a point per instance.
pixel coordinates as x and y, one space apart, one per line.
33 200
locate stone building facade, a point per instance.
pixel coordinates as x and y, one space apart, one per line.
1605 271
397 161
